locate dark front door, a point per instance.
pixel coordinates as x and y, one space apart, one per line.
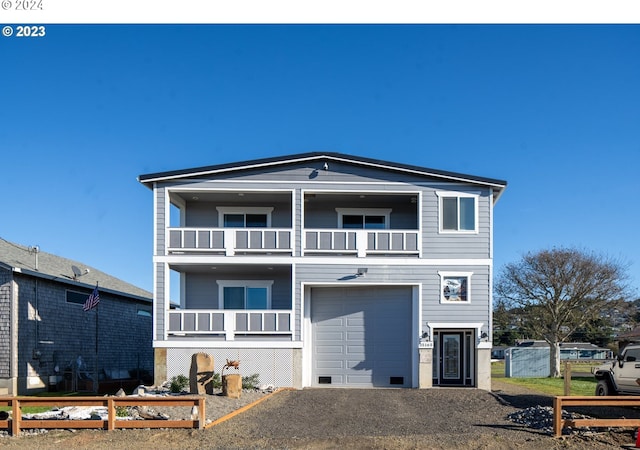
451 360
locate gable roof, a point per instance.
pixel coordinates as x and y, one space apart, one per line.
21 259
149 179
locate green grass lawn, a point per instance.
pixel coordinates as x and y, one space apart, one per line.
580 385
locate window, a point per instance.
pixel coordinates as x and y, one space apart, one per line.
241 217
458 212
144 311
77 297
244 294
371 219
455 287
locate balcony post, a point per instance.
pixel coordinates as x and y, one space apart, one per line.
229 242
229 325
361 243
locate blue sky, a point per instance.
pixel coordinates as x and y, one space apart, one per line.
552 109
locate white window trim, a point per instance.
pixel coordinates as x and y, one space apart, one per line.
448 194
245 284
443 275
386 212
222 210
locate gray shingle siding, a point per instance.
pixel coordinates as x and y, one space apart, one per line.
5 323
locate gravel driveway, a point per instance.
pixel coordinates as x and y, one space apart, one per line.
353 419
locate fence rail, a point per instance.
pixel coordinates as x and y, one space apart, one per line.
561 401
16 423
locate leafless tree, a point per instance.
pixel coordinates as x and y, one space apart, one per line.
560 290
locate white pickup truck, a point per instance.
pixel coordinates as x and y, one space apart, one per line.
621 376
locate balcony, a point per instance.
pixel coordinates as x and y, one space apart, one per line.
229 324
361 243
230 241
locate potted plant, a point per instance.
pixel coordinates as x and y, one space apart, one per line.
231 383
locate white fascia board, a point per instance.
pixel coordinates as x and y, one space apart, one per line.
197 343
311 260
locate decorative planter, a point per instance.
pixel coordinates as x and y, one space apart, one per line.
231 385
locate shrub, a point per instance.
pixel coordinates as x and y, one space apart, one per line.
217 381
178 383
250 381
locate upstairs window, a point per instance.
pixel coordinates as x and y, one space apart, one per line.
76 297
241 217
245 294
357 218
458 212
455 287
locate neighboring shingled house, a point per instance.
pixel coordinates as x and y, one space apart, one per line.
45 333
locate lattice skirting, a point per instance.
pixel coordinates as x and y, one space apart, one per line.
275 366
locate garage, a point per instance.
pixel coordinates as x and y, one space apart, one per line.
361 336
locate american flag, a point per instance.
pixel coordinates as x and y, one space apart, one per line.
92 300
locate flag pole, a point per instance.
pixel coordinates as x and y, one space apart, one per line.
95 383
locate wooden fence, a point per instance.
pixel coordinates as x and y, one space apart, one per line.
17 423
561 401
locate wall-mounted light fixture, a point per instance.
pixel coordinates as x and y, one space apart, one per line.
362 272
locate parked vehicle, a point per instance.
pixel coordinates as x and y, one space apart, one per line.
621 376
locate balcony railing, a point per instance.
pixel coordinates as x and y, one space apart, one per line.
229 240
361 242
228 323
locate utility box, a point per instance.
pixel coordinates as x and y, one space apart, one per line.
527 362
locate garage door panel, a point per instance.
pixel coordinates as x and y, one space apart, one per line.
331 364
373 325
331 349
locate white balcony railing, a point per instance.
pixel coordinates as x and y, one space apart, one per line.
228 323
229 240
361 242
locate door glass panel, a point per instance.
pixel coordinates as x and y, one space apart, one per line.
352 222
234 220
233 298
256 298
374 222
256 220
451 356
436 356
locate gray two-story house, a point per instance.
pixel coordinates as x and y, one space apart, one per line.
325 270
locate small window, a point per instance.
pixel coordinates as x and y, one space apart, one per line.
358 218
245 220
239 294
144 311
455 287
244 217
77 297
458 212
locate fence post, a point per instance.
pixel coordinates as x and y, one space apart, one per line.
567 378
17 416
111 414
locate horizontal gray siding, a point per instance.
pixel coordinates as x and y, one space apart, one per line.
5 323
451 245
205 214
202 289
159 303
161 220
432 310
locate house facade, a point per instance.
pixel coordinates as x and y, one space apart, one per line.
325 270
48 341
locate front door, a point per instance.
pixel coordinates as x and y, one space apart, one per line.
451 360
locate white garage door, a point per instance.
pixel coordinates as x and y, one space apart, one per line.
361 336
